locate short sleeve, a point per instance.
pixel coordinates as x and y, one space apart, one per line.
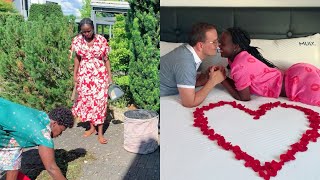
240 77
43 137
76 45
29 127
35 132
186 76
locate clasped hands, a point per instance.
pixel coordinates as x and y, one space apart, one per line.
216 74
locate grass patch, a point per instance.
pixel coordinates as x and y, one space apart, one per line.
70 162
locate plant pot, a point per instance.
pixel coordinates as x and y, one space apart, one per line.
141 131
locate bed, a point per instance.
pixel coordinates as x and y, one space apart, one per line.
187 154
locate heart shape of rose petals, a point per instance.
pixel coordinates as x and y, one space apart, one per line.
268 169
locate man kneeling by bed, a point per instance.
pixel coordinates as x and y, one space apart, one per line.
23 127
178 68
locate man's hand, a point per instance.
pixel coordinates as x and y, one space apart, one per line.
48 160
216 75
191 98
220 68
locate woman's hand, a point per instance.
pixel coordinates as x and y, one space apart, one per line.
216 76
110 80
75 79
221 68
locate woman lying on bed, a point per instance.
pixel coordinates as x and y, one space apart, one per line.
253 74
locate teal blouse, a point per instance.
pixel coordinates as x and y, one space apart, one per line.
28 126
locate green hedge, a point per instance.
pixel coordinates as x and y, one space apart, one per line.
119 58
7 15
6 6
34 62
143 24
44 10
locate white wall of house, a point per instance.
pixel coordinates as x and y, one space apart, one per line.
45 1
115 7
22 6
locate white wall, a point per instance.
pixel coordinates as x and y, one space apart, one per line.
38 1
55 1
241 3
44 1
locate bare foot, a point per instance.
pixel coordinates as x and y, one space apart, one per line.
89 132
102 140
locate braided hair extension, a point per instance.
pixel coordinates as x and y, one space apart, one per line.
86 21
63 116
242 38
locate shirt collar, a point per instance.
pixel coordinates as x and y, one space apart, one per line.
197 60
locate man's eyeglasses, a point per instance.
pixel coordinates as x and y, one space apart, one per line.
214 42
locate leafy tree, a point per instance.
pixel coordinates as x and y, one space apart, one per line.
86 9
8 15
119 58
143 24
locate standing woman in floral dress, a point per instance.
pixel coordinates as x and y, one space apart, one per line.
92 75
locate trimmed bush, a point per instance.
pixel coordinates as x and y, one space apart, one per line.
9 44
34 62
143 24
7 15
44 10
6 6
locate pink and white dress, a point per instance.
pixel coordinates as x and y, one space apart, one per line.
92 87
302 80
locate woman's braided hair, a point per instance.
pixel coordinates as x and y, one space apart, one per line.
86 21
242 38
63 116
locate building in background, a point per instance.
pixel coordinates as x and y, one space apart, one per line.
103 14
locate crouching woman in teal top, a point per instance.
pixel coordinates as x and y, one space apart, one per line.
23 127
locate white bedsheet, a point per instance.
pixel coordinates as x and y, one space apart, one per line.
186 154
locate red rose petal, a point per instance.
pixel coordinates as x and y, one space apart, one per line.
269 169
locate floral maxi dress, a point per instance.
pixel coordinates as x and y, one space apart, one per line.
92 77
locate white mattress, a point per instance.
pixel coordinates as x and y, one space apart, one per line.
186 154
